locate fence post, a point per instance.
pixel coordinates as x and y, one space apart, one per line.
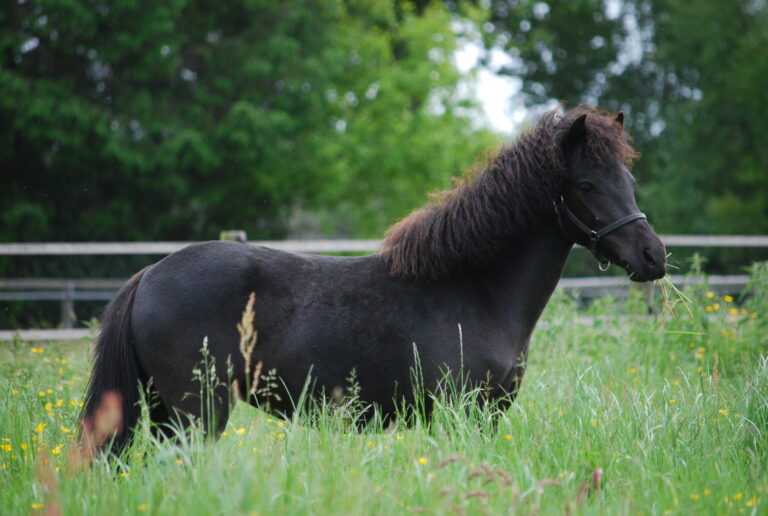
233 235
67 317
646 290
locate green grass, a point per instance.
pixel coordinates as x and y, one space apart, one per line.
639 400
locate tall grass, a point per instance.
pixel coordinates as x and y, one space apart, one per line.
618 414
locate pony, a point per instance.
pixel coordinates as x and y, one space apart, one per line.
485 255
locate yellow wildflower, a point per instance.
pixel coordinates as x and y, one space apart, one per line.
673 401
733 311
37 505
240 431
632 370
694 496
142 507
710 294
751 502
371 444
707 492
39 428
724 412
737 496
37 350
728 299
699 356
23 446
708 308
716 306
423 460
508 437
15 391
281 435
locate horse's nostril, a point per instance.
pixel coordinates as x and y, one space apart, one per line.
648 256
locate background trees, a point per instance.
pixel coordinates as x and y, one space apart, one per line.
172 120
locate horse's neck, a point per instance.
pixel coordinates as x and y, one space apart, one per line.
527 275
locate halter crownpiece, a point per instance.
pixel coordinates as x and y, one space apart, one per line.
593 234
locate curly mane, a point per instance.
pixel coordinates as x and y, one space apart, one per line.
464 227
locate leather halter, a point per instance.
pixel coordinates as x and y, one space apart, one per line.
594 234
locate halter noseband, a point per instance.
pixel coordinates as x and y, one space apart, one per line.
594 235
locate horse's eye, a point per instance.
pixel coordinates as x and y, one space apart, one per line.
586 187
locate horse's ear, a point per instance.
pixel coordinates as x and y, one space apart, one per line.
576 134
620 119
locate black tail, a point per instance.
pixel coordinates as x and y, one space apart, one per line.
116 372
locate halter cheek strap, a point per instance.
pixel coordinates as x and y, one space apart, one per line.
594 235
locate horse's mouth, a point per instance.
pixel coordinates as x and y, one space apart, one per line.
637 276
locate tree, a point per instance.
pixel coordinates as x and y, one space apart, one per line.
173 120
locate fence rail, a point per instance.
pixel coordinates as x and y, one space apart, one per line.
310 246
67 291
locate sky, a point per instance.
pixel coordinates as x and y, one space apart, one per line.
495 93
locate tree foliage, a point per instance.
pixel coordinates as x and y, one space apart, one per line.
173 120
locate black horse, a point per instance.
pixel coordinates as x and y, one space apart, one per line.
486 255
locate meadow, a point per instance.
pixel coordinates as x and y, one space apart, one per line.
619 413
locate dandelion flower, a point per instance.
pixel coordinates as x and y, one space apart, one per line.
694 496
710 294
673 401
142 507
751 502
37 505
707 492
728 299
725 412
508 437
733 311
737 496
423 460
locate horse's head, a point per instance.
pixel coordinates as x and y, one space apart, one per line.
597 208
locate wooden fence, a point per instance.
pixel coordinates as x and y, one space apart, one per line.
67 291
